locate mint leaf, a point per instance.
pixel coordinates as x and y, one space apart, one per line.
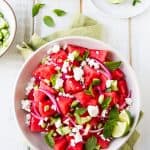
36 8
48 20
59 12
106 102
113 65
111 122
91 143
49 139
108 128
135 2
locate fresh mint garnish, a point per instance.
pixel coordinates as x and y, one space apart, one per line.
113 65
49 139
91 143
48 20
36 8
59 12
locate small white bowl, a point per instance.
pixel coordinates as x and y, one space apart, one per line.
9 15
35 139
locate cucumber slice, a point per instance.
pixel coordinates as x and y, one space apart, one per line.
120 129
125 116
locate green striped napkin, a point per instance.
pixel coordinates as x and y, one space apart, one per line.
81 26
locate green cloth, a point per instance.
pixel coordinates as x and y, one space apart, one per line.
81 26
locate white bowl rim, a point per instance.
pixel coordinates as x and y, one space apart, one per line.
15 29
82 38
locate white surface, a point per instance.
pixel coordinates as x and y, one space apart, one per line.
123 10
115 32
36 140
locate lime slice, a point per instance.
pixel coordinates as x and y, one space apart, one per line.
125 116
120 129
116 1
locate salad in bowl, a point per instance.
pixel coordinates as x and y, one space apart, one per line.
77 97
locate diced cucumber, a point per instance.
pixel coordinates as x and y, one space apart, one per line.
120 129
125 116
114 85
116 1
3 23
5 33
1 35
63 130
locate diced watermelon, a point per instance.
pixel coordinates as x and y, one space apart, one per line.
89 75
44 72
103 143
39 96
45 108
64 104
85 99
34 125
117 74
78 146
46 87
99 54
72 86
114 97
59 57
30 95
60 143
94 122
79 49
123 89
122 103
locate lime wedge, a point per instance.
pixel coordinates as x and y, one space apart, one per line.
125 116
116 1
120 129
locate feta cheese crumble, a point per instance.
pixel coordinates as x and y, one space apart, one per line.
65 67
109 83
30 86
71 57
42 123
26 105
93 63
59 83
58 123
78 137
53 107
93 110
104 113
27 119
78 73
129 101
54 49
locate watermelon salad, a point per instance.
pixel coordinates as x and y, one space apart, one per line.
78 99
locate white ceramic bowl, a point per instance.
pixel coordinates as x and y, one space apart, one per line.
36 140
9 15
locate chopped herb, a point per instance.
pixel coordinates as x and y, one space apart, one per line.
53 79
63 130
74 104
59 12
36 8
82 120
80 111
91 143
85 55
106 102
135 2
111 123
113 65
49 139
95 82
48 20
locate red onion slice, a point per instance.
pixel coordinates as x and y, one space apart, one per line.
52 98
35 110
36 116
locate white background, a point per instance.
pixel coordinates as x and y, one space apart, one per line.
129 36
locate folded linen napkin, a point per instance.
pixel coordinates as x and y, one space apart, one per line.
81 26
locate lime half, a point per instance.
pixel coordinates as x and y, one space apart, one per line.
125 116
120 129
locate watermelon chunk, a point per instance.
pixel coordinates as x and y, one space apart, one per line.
72 86
123 89
78 146
100 55
72 48
117 74
64 104
85 99
45 109
34 125
103 143
89 75
44 72
60 143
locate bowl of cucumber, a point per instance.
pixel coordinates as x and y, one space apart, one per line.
7 26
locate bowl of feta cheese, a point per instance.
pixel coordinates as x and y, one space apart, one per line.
75 90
